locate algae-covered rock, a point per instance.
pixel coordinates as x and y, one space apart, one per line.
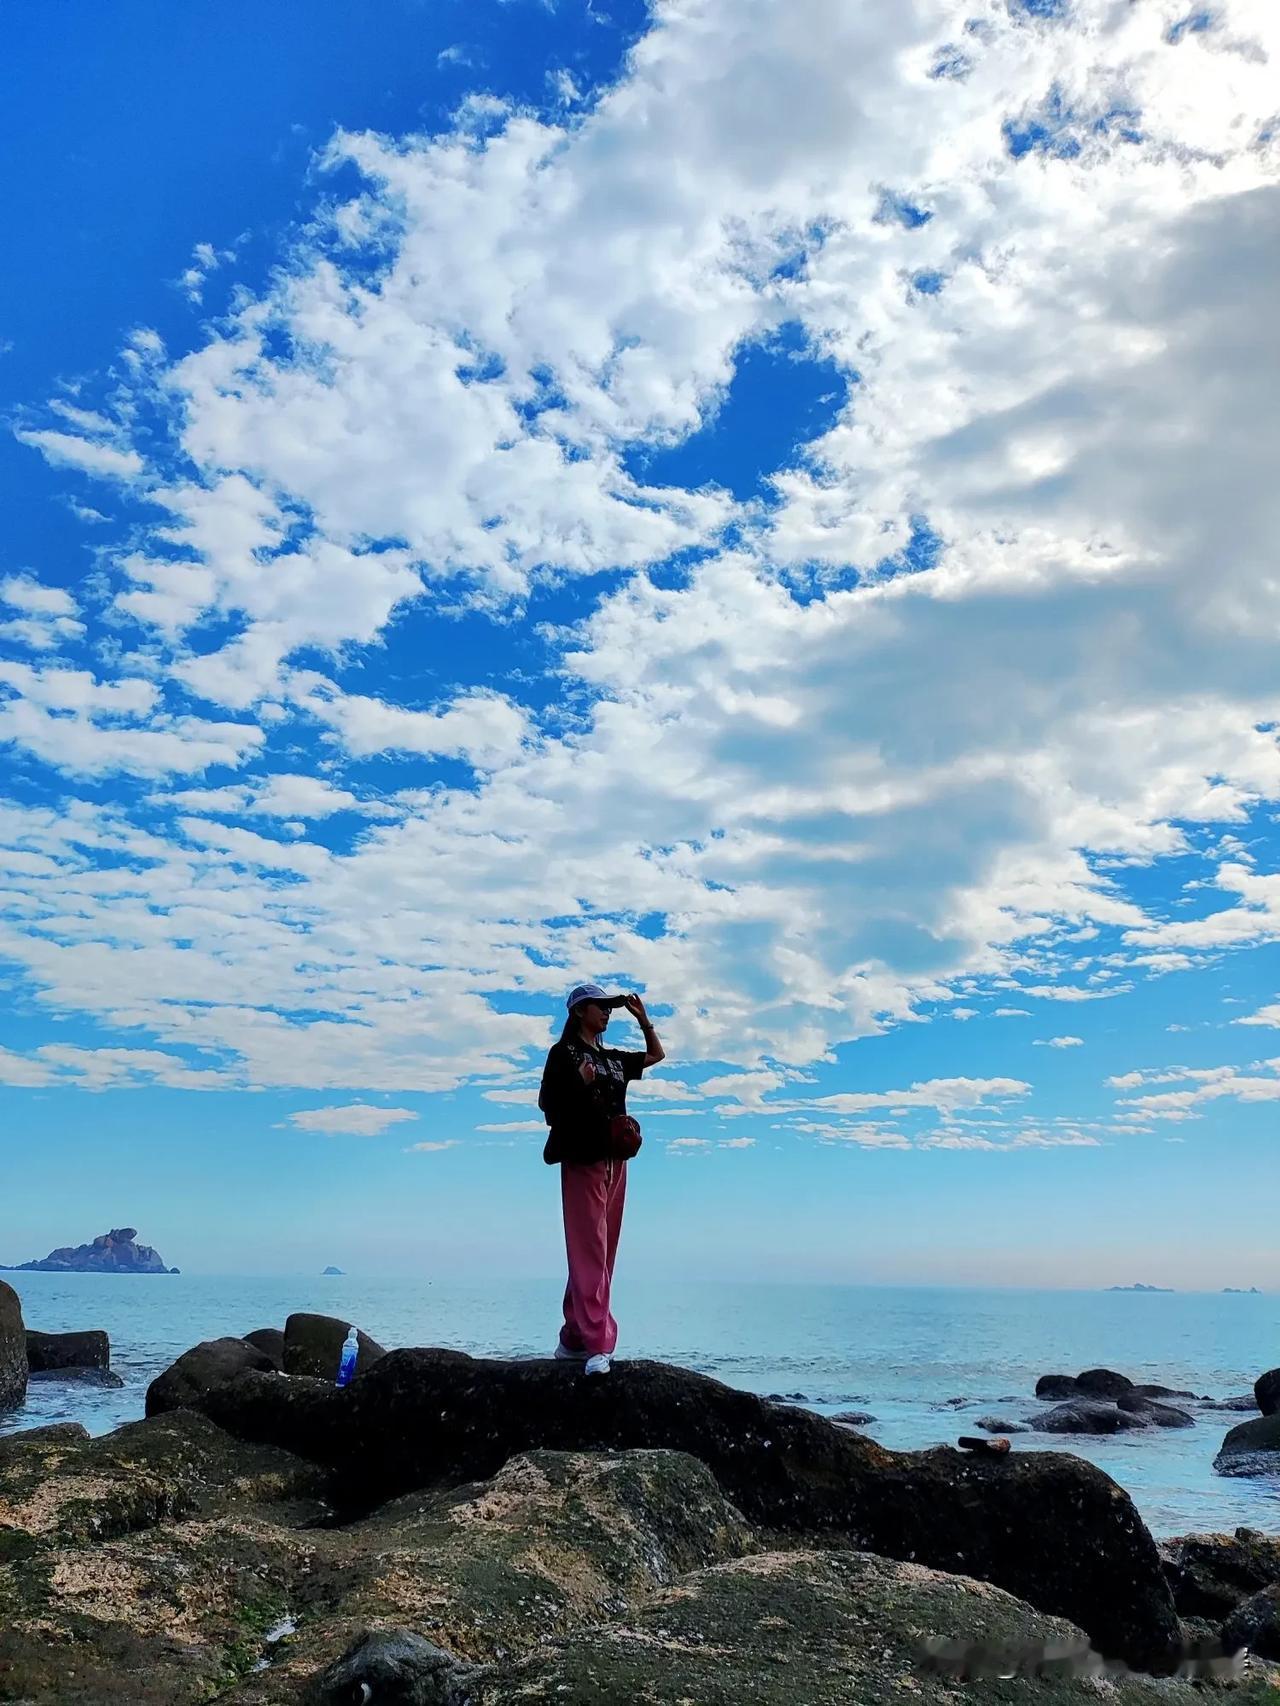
829 1628
1255 1624
13 1349
60 1491
1210 1574
1051 1528
202 1367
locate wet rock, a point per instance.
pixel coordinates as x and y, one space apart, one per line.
998 1425
270 1341
1266 1391
198 1370
1251 1448
58 1487
1150 1390
1103 1383
46 1351
1087 1416
1051 1527
397 1668
1242 1401
1210 1574
1255 1623
313 1346
1056 1386
852 1418
1158 1414
78 1376
50 1433
13 1349
820 1628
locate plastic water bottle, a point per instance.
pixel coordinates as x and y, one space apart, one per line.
347 1362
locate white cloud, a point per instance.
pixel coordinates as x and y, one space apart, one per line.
358 1119
1268 1015
68 450
432 1148
845 790
1059 1042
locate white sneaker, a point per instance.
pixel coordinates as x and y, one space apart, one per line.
598 1365
562 1353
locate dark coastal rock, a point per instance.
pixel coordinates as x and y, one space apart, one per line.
852 1418
198 1370
47 1351
998 1425
1244 1401
1266 1390
398 1668
1210 1574
1150 1390
1087 1416
1056 1386
1158 1414
49 1434
78 1377
1102 1383
115 1252
1050 1528
1251 1448
1255 1623
313 1346
821 1628
270 1341
13 1349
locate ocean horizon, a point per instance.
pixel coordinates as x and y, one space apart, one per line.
924 1361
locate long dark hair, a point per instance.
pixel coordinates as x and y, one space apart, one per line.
572 1032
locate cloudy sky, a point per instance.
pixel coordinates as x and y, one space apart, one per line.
771 503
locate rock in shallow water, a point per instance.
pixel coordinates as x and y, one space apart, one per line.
1087 1416
1266 1391
47 1351
1251 1448
13 1349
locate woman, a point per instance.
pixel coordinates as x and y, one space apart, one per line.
584 1086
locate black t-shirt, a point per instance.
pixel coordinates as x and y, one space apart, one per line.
579 1113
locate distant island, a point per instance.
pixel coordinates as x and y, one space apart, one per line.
1242 1290
1139 1288
115 1252
332 1270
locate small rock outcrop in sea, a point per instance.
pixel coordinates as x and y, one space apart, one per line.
49 1352
1139 1287
332 1271
115 1252
13 1349
1251 1448
1266 1392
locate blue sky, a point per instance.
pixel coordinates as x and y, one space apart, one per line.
768 505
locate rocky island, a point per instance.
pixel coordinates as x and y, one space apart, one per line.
1139 1288
115 1252
332 1270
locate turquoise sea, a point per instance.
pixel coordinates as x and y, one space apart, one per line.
900 1353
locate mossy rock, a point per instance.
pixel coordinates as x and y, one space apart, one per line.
827 1628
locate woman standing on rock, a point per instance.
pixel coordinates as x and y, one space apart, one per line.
584 1100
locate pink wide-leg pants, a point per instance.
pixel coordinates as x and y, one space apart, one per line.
592 1195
